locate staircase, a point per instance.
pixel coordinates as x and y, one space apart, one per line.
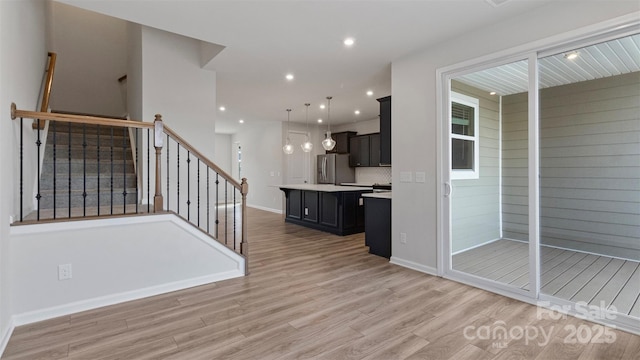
91 167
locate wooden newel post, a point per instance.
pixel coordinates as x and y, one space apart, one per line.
244 245
158 201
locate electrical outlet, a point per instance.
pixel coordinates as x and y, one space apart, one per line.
403 238
64 272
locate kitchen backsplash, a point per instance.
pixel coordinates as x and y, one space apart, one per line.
373 175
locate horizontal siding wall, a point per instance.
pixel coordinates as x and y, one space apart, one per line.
590 166
515 167
475 203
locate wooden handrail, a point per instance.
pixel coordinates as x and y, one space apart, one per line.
80 119
203 158
49 82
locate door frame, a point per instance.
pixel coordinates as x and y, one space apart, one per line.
601 32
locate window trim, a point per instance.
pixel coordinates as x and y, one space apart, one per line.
474 173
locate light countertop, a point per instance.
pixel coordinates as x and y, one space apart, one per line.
379 195
324 187
358 184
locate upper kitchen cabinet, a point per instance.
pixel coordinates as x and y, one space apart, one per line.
385 131
342 142
365 150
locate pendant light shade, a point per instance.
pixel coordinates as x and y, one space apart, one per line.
288 148
328 143
307 146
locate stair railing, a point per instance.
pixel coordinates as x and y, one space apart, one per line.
48 83
214 201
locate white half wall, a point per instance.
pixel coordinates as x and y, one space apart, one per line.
113 260
414 110
23 53
223 152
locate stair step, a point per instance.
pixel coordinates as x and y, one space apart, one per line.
90 181
77 200
89 139
91 152
78 166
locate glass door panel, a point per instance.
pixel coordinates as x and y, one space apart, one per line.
489 174
590 175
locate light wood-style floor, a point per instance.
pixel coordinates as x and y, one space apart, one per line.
316 296
567 274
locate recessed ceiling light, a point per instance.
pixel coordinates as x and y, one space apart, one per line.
357 112
492 93
319 121
369 93
322 106
222 108
349 42
241 121
571 55
289 77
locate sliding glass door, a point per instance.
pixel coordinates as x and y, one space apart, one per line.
489 174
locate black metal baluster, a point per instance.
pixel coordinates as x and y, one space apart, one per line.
84 170
168 208
38 195
53 124
125 130
178 179
137 168
69 152
188 184
217 222
111 170
98 164
21 166
207 199
198 192
148 174
226 209
234 218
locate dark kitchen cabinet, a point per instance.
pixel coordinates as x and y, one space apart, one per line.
378 226
385 130
342 142
337 212
365 151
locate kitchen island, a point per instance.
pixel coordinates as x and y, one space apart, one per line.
331 208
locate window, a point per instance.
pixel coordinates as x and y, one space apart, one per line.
465 139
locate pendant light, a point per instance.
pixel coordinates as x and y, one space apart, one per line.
288 148
328 143
307 146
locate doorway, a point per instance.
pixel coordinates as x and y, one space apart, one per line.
298 163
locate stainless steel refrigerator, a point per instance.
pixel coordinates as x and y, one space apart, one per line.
334 169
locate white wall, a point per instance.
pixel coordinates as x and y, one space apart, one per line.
112 260
414 112
23 53
222 156
261 158
92 55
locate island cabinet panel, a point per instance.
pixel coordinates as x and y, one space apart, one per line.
337 212
329 209
310 206
294 204
378 226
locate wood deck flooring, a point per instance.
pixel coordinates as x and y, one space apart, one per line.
311 295
566 274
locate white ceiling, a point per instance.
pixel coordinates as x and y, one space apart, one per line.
616 57
264 40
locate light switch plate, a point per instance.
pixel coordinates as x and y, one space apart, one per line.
421 176
405 176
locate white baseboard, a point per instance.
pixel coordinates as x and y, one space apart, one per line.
265 209
414 266
6 336
78 306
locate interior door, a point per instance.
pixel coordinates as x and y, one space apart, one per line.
298 163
